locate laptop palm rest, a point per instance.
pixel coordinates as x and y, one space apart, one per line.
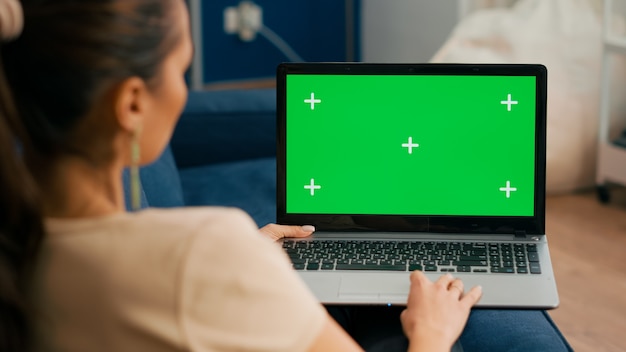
375 286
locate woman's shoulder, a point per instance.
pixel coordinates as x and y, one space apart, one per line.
156 226
198 219
190 216
201 226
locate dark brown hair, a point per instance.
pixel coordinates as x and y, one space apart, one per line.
69 52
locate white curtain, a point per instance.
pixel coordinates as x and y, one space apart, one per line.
468 6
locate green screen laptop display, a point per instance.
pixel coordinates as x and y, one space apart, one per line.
449 145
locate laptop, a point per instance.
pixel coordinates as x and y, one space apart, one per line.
401 167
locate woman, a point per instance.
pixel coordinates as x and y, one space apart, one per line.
88 87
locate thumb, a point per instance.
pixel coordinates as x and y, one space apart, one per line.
276 232
298 231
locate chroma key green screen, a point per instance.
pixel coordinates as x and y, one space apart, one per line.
410 144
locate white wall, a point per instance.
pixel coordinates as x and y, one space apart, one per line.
405 30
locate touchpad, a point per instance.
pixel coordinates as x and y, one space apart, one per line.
373 284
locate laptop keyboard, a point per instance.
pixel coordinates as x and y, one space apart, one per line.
481 257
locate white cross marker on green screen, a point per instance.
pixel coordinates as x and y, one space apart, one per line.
312 101
508 189
508 102
312 187
410 145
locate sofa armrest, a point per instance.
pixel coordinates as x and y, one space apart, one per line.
225 126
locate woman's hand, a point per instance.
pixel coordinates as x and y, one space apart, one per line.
276 232
436 313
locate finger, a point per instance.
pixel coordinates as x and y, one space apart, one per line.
418 278
419 282
268 232
308 228
281 231
299 231
444 281
458 283
404 321
472 296
456 287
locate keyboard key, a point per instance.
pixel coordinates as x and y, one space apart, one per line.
473 257
470 263
327 266
464 269
312 266
293 256
502 270
535 268
413 267
521 270
533 257
370 267
299 266
430 268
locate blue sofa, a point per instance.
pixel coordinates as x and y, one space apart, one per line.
223 153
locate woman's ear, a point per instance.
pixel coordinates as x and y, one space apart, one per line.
131 103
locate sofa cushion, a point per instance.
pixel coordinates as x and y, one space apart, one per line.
512 330
249 185
225 126
160 183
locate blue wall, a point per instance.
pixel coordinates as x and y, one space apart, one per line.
315 29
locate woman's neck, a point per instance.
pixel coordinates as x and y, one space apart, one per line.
74 188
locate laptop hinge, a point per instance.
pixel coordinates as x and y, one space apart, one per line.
520 234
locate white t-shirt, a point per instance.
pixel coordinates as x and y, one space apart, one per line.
189 279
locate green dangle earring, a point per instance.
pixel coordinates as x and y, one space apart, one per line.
135 181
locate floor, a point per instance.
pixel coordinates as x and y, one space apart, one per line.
588 246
